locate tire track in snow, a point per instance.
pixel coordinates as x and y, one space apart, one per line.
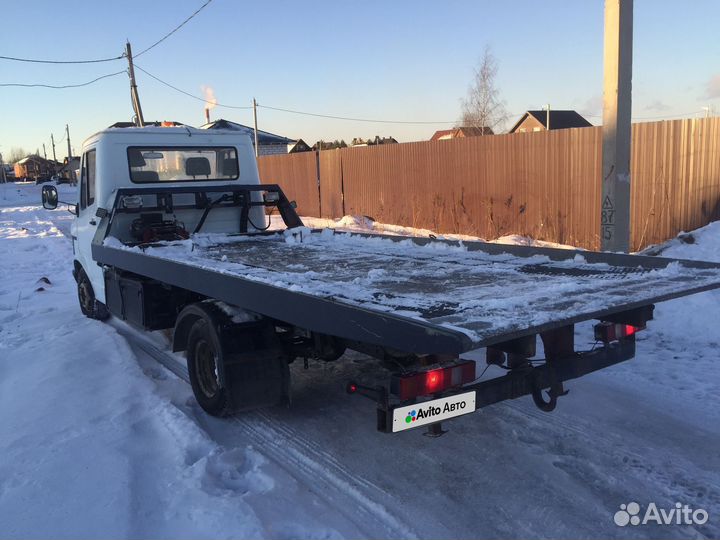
302 459
682 478
317 465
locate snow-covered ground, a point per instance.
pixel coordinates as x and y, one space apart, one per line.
99 440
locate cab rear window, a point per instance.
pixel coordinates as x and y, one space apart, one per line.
173 164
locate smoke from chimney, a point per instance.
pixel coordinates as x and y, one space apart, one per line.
210 101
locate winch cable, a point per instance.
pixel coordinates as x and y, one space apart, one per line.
209 207
262 228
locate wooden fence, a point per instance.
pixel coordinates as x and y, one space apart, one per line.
542 184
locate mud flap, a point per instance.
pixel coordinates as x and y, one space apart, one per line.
255 380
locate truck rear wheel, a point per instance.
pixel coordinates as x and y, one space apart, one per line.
232 367
204 356
89 305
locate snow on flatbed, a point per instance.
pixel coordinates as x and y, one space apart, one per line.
487 296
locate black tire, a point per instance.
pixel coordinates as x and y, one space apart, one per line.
89 305
204 357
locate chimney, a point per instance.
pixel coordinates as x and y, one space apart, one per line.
207 115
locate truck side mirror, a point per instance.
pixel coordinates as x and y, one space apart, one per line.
49 197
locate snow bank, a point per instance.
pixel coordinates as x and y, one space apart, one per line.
366 225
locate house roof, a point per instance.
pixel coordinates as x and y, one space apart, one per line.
32 157
298 145
463 131
472 131
439 134
264 137
558 119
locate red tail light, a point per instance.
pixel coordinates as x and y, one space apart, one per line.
608 332
423 383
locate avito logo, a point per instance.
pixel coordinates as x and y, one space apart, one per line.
431 411
682 514
435 410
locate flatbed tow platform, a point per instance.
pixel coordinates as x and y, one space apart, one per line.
421 300
436 295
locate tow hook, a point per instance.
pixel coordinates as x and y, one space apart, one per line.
556 390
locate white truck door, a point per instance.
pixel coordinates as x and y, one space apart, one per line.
87 223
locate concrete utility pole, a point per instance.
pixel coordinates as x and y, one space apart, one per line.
72 172
139 120
547 117
257 148
67 136
52 140
617 105
44 152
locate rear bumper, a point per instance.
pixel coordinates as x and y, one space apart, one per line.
518 383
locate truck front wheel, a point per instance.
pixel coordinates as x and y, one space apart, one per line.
89 305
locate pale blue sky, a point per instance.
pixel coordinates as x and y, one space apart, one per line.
395 60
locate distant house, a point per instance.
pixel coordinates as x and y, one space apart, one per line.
537 121
459 132
268 143
358 141
69 168
298 146
329 145
34 167
383 140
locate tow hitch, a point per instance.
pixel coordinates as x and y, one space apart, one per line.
556 391
394 414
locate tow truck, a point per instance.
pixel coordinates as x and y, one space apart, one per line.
174 231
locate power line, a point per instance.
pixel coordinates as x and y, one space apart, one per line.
37 61
352 119
287 110
158 79
65 85
178 27
371 120
110 59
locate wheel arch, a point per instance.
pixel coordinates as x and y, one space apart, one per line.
209 310
77 267
187 318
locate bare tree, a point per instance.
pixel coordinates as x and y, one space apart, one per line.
16 154
483 106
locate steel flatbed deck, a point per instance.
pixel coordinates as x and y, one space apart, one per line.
415 294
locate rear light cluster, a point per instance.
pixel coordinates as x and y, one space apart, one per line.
608 332
423 383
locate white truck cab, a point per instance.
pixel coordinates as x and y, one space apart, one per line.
148 157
